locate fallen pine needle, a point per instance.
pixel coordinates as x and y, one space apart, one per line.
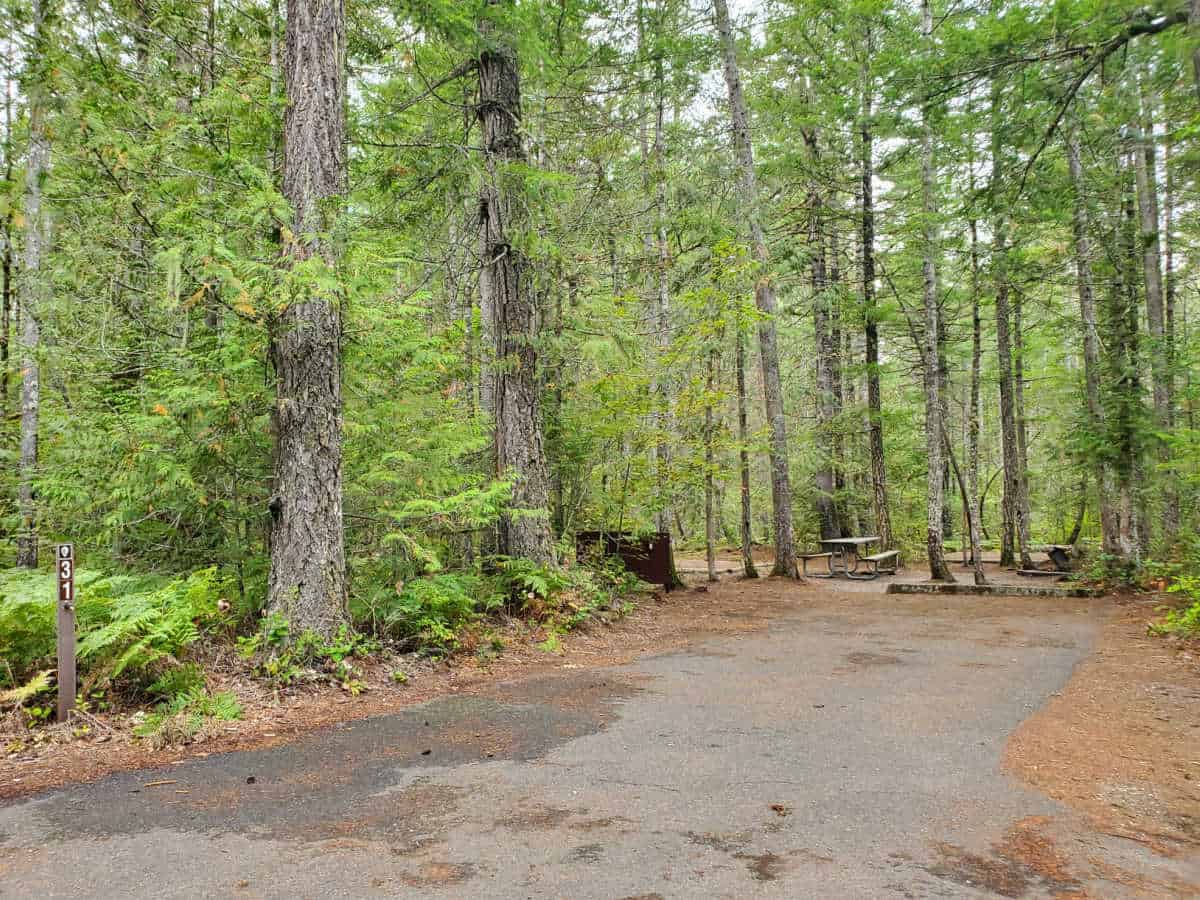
159 783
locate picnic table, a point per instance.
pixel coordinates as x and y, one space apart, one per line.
846 553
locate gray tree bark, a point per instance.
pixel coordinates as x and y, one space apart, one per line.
764 297
1014 530
34 285
507 294
7 251
1160 370
710 427
883 519
748 567
307 581
823 357
934 426
972 507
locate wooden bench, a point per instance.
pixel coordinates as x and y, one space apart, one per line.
884 563
805 557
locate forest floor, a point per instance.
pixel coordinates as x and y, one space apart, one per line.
754 738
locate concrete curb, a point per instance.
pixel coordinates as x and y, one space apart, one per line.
994 590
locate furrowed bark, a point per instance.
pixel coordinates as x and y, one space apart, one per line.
34 288
883 519
7 254
307 582
938 569
1014 533
1105 483
1160 370
507 284
764 297
748 567
823 358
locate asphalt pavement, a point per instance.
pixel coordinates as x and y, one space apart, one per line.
850 747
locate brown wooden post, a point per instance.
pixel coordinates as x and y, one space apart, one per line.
64 562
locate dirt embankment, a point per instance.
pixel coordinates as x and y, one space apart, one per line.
1121 742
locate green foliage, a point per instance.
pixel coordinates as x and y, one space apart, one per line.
1185 620
429 612
186 716
308 657
21 694
128 626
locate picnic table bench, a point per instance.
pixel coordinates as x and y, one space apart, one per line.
845 555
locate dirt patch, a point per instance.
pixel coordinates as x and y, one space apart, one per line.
535 818
1005 877
439 874
765 866
731 842
1118 742
587 853
865 659
1027 843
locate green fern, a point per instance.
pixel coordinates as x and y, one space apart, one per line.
30 689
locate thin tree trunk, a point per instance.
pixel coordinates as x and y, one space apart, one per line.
748 568
710 518
307 582
764 296
972 522
1073 537
938 569
836 336
973 503
1024 515
1109 516
508 285
34 286
883 519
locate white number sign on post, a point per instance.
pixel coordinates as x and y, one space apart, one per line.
64 561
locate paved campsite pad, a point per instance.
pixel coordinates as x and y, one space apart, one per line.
851 748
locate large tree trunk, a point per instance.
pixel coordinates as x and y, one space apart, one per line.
764 297
1121 331
823 338
1109 514
1160 371
938 569
34 286
6 252
1194 32
506 285
748 568
1014 531
307 583
883 519
654 180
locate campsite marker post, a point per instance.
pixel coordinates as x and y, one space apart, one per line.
64 564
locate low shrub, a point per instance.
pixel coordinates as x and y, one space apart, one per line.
130 627
1184 620
187 717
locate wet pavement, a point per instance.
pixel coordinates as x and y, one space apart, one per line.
850 747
